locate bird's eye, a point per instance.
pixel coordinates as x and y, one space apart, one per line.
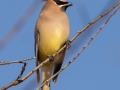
57 2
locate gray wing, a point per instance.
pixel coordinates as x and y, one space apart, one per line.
58 65
37 36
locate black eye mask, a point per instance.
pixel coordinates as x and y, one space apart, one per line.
58 2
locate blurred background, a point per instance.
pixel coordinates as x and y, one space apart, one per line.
97 68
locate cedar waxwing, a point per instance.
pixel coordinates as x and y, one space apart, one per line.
51 33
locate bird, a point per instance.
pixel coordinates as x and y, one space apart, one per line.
51 33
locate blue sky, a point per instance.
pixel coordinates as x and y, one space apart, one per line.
97 68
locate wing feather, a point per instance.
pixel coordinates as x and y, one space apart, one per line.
58 65
37 36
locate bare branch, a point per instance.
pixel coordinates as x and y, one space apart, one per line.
16 61
17 79
90 23
23 69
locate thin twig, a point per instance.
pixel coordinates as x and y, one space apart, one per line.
47 60
17 79
16 61
80 50
22 71
90 23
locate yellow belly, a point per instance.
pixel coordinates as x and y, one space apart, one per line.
50 43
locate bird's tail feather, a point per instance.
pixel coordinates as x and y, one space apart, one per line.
46 87
46 74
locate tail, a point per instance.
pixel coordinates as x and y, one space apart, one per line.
46 87
46 74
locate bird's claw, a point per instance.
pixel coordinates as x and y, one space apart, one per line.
68 44
51 58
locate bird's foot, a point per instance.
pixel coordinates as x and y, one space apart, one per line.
68 44
51 58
